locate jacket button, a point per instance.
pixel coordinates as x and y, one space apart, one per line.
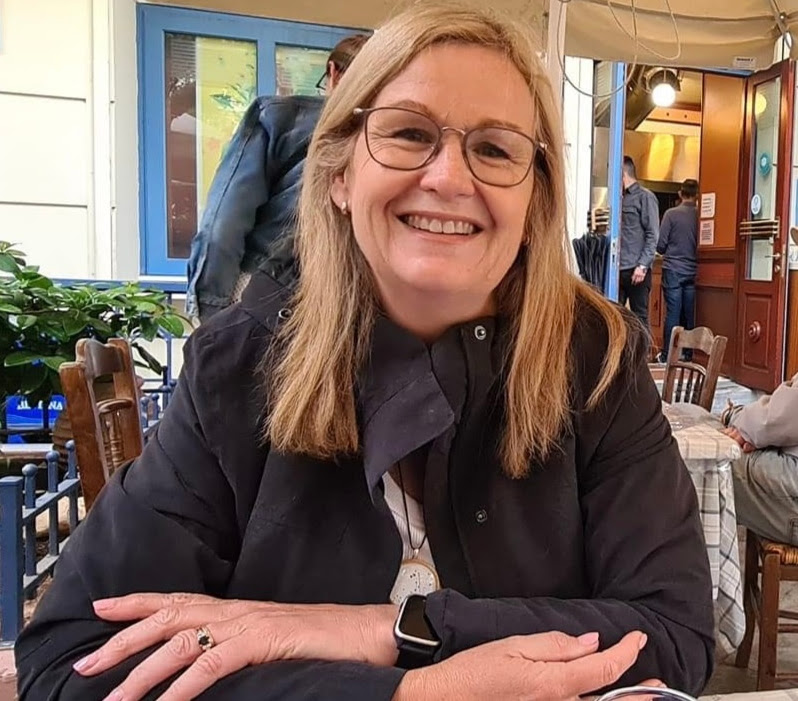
480 332
284 314
481 516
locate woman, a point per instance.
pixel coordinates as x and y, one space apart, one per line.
251 203
449 413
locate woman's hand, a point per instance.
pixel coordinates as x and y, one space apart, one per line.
551 666
244 633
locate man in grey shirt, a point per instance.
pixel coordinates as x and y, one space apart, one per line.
639 233
766 477
678 243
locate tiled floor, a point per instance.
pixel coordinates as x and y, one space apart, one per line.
728 678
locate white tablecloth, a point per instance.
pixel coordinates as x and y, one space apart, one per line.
708 455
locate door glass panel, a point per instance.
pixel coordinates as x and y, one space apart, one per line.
767 109
299 70
210 82
759 265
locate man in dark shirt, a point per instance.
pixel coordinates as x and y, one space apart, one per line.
639 232
678 244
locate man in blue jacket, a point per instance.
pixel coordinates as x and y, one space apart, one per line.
249 218
678 243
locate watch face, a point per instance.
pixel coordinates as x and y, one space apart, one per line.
413 623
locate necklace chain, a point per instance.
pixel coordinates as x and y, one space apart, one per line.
407 514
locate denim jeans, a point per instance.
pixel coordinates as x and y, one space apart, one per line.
679 291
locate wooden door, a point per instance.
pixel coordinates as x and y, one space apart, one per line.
763 227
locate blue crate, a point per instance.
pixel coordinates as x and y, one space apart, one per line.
20 415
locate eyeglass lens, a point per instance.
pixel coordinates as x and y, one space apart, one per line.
406 140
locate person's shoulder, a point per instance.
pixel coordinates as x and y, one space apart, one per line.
290 104
235 339
591 336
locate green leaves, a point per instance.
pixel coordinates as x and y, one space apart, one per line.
25 321
21 358
41 321
8 264
172 324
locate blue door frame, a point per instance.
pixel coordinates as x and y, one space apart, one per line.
614 183
153 22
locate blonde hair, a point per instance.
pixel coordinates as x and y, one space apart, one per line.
323 345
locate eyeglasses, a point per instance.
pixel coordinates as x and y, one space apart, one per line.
321 84
403 139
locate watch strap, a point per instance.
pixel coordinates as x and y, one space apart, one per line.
412 655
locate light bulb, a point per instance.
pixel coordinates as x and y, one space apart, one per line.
663 95
760 105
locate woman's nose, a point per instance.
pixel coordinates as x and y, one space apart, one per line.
448 172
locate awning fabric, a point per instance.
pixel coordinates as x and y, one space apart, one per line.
734 34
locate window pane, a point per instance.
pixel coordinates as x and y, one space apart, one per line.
760 259
210 82
767 110
299 69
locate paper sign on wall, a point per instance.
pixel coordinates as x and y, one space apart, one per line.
707 205
706 233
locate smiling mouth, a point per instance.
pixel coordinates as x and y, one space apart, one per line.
450 227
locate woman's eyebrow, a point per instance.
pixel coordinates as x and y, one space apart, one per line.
486 122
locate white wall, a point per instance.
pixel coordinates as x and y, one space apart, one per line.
68 157
45 120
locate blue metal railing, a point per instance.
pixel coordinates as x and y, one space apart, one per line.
21 572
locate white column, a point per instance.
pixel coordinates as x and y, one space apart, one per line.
125 139
578 132
100 236
555 47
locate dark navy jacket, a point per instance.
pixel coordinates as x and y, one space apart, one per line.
678 239
602 536
252 201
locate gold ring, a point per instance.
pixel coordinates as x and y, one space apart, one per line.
204 638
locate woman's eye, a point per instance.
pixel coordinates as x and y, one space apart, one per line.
488 150
415 135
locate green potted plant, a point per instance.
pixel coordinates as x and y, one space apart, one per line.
41 321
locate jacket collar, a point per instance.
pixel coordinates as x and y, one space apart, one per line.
408 393
266 300
634 187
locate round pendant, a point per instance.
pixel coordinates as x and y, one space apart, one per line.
415 577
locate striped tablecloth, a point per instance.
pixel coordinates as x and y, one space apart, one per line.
708 455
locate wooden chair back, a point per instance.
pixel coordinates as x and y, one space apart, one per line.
107 431
687 380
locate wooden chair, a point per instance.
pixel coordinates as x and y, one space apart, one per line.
779 563
686 380
107 432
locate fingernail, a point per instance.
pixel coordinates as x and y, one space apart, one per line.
643 641
104 604
86 663
588 639
115 695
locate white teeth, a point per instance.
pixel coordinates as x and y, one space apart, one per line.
440 226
